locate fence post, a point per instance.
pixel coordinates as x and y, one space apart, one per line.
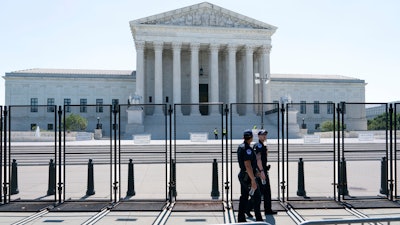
51 190
14 177
90 181
214 190
300 179
131 180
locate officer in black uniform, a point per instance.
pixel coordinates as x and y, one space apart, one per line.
247 178
261 151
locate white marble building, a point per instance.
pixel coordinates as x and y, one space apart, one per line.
200 53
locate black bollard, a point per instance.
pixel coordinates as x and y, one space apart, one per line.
384 177
51 190
14 177
300 179
172 188
214 190
343 178
131 180
90 180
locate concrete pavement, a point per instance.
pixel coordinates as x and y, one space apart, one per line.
194 184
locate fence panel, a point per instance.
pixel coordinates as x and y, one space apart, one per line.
88 153
31 152
310 150
364 147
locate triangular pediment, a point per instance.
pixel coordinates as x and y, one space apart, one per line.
206 15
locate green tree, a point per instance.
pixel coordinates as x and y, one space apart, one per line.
75 122
328 126
379 122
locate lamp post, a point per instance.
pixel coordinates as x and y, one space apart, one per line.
261 80
98 123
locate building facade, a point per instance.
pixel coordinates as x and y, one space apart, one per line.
197 54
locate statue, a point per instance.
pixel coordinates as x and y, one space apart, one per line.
135 99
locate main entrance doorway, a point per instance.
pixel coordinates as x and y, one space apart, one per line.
203 97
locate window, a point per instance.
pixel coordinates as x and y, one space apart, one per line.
34 104
67 103
316 126
50 105
33 126
303 107
343 107
115 103
99 105
83 107
316 107
330 107
50 126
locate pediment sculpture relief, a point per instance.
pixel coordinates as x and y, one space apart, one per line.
204 17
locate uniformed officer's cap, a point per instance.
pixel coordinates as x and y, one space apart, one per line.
261 132
247 134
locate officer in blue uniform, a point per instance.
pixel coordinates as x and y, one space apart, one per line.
261 151
247 178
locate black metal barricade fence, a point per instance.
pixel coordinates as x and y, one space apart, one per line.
327 142
364 146
199 151
244 116
309 151
144 152
89 169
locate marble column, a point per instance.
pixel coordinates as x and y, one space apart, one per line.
232 74
214 77
194 73
158 78
249 78
140 89
266 49
176 48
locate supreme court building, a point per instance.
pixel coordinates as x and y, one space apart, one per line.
197 54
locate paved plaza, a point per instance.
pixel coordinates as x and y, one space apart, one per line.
194 204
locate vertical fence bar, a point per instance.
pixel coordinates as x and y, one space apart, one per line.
283 153
391 151
1 151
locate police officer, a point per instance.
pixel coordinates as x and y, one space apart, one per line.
261 151
247 178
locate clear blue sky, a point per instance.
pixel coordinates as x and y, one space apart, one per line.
357 38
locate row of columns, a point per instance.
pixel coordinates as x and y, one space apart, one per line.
194 74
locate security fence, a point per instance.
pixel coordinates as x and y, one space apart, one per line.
83 153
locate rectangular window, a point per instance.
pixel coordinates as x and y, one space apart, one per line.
303 107
34 104
49 126
343 107
50 105
67 103
99 105
330 107
83 103
316 107
115 103
316 126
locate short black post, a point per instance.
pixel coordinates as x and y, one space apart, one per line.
14 177
214 190
131 180
343 178
51 190
384 177
300 179
90 180
172 188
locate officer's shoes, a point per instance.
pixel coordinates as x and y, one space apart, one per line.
270 212
249 215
